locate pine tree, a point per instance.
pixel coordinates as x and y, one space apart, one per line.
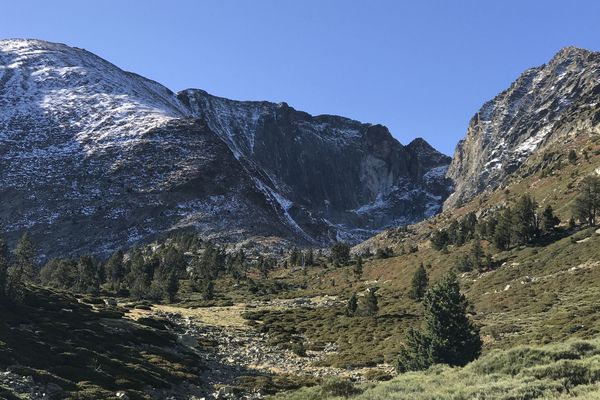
208 292
352 305
587 203
439 239
502 233
549 220
88 280
524 221
309 258
295 257
358 268
172 286
25 255
419 283
4 260
449 336
477 254
573 157
340 253
371 303
114 270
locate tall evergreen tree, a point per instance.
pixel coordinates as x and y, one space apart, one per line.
88 279
449 336
25 258
358 268
352 305
371 302
587 203
549 220
439 239
524 220
114 270
502 233
477 254
419 283
295 257
172 286
573 157
4 263
309 258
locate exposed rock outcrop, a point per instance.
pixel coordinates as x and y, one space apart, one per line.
542 106
93 158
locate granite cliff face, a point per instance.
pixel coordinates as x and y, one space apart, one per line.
93 158
542 106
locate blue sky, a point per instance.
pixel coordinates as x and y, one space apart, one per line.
422 68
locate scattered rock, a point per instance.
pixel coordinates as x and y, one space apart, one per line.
110 302
187 340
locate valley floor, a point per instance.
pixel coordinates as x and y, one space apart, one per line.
238 357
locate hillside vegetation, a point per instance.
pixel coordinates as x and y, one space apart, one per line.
564 371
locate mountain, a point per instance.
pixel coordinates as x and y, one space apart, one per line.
93 158
544 105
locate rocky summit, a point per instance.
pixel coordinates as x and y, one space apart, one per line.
544 105
93 158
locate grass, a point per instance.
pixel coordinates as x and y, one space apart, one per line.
570 370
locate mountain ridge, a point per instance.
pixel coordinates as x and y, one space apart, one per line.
82 139
542 105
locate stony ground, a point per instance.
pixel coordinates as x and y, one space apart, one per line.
233 349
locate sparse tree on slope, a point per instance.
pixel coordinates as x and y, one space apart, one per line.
25 255
4 260
524 220
549 220
352 305
358 268
502 233
419 283
371 303
340 253
449 336
587 203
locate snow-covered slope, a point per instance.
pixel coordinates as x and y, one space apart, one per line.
93 158
541 106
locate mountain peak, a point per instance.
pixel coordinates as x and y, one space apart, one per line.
84 143
571 52
539 107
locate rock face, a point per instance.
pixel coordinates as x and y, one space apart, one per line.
93 158
543 105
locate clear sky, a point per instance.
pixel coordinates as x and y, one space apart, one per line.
422 68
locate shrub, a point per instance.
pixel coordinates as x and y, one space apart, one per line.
339 387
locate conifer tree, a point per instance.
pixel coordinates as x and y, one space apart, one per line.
449 336
340 253
549 220
4 260
352 305
502 233
524 220
587 203
172 286
88 280
371 302
25 255
572 157
439 239
115 270
309 259
358 268
477 254
419 283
